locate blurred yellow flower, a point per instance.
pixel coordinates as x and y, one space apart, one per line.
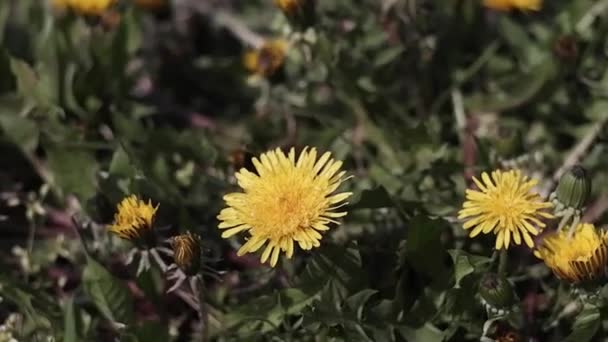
288 200
507 5
267 59
581 257
134 220
289 7
505 206
87 7
187 252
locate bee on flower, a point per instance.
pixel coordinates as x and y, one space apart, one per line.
577 259
288 201
266 60
505 205
508 5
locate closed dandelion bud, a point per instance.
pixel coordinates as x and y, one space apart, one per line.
496 292
574 188
187 252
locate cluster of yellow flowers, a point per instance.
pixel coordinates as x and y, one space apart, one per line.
288 200
506 205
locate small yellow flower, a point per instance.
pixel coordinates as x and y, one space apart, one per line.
504 205
266 60
581 257
134 220
288 200
289 7
187 252
86 7
507 5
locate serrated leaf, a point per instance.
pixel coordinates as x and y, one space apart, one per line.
110 295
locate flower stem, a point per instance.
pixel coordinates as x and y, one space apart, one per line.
502 262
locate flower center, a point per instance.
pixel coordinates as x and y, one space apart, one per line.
287 207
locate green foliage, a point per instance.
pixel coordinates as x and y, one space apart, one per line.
110 296
414 97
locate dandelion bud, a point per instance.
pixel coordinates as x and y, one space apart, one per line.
187 252
574 188
496 292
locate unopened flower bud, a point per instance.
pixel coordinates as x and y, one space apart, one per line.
574 188
496 291
187 252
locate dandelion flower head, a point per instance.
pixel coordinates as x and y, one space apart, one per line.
290 200
134 219
506 206
577 258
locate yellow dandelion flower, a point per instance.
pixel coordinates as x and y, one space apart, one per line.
504 205
288 200
581 257
187 252
267 59
507 5
86 7
134 220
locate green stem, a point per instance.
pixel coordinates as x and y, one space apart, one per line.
502 262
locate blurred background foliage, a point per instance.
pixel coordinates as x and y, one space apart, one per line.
415 96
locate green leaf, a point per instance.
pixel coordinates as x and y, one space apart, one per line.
389 55
465 264
356 302
427 333
265 313
21 131
586 325
74 171
71 322
110 295
153 331
424 236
